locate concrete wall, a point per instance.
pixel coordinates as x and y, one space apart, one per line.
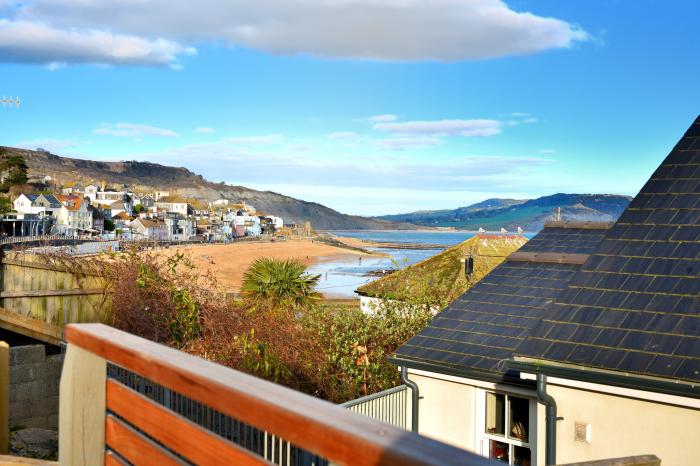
34 381
622 426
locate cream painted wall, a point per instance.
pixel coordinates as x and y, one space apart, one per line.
446 411
623 427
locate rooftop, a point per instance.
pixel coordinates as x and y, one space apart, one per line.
635 304
486 324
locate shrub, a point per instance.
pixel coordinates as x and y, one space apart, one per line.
280 282
355 346
156 297
288 337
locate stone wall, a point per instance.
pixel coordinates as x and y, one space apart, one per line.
34 382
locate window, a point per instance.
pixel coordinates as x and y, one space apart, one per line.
507 428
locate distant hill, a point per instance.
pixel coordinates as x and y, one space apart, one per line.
529 214
147 176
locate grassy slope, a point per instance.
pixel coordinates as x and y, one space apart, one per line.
441 274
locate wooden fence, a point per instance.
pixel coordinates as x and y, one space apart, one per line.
39 294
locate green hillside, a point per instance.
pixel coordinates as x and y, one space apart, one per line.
530 215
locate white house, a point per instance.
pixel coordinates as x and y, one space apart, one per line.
181 208
146 229
276 221
74 214
91 192
40 204
24 204
75 188
582 345
220 202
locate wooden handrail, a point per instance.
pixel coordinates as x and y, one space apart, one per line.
318 426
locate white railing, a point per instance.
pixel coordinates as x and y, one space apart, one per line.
391 406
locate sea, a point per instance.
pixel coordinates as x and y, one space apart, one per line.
340 278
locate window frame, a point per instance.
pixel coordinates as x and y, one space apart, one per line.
483 438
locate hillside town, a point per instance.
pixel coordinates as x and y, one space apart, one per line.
74 210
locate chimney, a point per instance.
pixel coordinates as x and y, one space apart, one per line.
467 266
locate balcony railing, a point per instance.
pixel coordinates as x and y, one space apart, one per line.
126 399
391 406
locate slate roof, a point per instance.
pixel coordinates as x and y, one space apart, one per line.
484 325
567 240
53 200
635 304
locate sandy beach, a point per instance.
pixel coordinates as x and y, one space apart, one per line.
230 261
355 242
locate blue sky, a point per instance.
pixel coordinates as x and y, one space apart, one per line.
369 107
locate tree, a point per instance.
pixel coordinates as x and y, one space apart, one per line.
5 205
138 208
280 282
13 170
109 225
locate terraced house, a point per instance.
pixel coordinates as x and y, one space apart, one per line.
582 345
75 214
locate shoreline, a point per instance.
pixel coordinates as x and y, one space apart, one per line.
228 262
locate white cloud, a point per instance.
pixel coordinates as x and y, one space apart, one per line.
343 135
384 118
133 130
405 30
50 145
301 147
443 127
407 143
39 43
256 140
391 170
204 130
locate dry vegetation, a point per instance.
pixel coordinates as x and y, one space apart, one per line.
334 352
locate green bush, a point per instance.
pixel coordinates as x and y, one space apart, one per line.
280 282
282 333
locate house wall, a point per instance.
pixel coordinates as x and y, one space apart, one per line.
446 411
623 426
452 410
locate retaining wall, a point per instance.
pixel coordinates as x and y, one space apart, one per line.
34 381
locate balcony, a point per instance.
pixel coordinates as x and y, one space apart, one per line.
125 399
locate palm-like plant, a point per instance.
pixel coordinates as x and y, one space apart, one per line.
280 282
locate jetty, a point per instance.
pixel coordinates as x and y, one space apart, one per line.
386 245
